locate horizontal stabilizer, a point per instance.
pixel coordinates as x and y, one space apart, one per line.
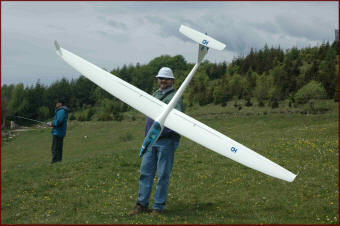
201 38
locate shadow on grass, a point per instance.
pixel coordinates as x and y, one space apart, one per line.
221 212
192 209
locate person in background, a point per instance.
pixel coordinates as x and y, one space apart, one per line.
59 126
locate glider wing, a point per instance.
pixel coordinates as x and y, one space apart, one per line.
129 94
217 142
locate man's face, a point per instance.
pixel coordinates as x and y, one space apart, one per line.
165 83
58 105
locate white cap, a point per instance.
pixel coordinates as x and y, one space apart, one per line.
165 72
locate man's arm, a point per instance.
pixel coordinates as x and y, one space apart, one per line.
59 119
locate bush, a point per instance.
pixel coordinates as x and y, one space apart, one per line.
72 117
43 112
117 116
104 116
312 90
248 101
86 115
274 103
261 103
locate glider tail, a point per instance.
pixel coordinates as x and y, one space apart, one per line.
201 38
57 46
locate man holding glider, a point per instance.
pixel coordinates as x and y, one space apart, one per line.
160 156
165 116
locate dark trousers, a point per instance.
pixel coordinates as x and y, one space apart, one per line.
57 149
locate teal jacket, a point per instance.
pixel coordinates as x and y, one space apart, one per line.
166 133
59 122
159 94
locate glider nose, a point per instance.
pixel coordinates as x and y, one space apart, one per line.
151 137
142 151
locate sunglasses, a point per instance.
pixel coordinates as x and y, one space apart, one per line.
166 79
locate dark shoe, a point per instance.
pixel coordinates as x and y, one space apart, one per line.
138 210
156 213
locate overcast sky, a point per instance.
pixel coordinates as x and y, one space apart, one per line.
111 34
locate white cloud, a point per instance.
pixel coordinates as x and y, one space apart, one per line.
111 34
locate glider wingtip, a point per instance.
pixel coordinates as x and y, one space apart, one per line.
293 178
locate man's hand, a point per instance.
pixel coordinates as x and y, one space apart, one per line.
49 124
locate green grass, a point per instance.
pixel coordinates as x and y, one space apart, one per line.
97 182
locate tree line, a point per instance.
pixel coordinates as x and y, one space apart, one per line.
265 77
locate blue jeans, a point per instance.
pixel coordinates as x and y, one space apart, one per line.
57 149
159 158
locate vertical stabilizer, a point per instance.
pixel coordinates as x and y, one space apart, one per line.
57 46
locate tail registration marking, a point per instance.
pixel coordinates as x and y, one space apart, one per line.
205 42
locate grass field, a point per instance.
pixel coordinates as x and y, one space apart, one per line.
97 182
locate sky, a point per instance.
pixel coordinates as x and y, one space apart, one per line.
113 34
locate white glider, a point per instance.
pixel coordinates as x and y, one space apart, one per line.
165 115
